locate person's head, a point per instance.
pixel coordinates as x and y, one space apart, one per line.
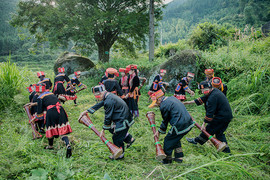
190 76
31 88
216 82
40 75
156 98
205 87
77 74
209 73
40 88
122 71
99 92
111 73
132 69
163 72
61 70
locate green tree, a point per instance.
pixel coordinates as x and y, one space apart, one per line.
87 23
207 34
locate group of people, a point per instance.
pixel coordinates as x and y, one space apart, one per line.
55 120
120 101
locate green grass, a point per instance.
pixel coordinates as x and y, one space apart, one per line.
24 158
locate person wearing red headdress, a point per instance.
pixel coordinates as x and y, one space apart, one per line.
182 87
112 85
47 81
123 82
59 89
133 94
217 83
71 94
209 74
158 83
218 114
56 118
174 113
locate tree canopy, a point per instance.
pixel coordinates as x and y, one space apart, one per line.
87 23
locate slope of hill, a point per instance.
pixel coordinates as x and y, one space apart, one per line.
180 16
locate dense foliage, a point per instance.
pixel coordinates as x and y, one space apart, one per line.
181 16
86 23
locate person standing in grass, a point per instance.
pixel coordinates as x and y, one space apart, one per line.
112 85
59 89
71 94
56 118
218 114
175 113
42 79
182 87
133 90
158 83
33 97
118 118
123 82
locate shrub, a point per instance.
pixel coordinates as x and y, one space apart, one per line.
208 35
10 82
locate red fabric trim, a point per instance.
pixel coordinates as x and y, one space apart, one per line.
208 119
180 97
70 97
58 131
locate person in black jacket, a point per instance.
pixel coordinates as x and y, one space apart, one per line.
71 93
112 85
175 113
158 83
118 118
47 81
182 87
133 90
218 114
57 123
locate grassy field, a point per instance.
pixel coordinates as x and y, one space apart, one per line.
24 158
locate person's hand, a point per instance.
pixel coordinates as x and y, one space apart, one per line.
102 133
192 93
83 113
203 126
157 134
131 95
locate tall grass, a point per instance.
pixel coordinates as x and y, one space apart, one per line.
10 82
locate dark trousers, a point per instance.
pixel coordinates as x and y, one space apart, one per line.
120 137
218 129
172 142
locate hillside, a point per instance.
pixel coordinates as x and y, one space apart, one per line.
181 16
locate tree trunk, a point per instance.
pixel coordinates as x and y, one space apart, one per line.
103 52
151 31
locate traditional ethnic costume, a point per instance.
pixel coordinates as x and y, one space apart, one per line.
71 94
123 82
157 83
182 87
103 78
56 118
133 84
111 85
47 81
59 80
33 98
218 115
175 113
118 118
217 83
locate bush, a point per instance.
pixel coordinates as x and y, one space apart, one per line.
208 35
10 83
168 49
